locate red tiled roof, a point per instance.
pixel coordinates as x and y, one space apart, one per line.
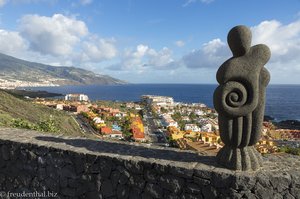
137 134
105 130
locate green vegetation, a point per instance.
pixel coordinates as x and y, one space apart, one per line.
13 68
126 129
176 116
286 149
19 113
84 114
193 117
44 125
163 110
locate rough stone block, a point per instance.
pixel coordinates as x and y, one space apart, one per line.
5 152
150 175
134 167
122 191
107 188
137 181
193 188
172 183
154 190
70 192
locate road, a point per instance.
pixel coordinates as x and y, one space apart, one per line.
156 136
84 124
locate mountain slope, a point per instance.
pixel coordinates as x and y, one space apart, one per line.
17 70
12 108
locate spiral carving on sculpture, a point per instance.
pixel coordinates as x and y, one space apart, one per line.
235 98
236 95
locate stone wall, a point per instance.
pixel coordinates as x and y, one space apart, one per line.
83 168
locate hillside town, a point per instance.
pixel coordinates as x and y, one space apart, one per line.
160 121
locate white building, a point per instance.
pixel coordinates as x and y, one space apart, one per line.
76 97
98 120
199 112
167 121
114 134
192 127
59 106
158 100
206 127
173 123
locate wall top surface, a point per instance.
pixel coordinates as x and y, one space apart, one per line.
187 160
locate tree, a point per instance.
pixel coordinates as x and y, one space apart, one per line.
126 129
84 114
176 116
193 116
163 110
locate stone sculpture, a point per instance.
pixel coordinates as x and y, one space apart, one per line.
240 100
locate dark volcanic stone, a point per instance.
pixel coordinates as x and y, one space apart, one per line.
107 188
68 192
134 167
150 175
124 177
263 192
209 192
182 172
122 191
190 196
137 181
200 181
154 190
193 188
5 152
115 175
134 193
172 183
93 195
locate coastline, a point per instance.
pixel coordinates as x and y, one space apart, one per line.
31 93
186 93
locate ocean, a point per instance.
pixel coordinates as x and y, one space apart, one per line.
283 101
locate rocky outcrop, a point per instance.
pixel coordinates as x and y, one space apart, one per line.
82 168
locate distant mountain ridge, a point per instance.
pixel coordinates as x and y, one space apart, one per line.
14 71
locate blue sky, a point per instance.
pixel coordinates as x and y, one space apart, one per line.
150 41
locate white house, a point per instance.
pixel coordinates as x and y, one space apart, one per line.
192 127
76 97
206 127
98 120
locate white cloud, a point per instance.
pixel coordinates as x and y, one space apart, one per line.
161 59
2 2
283 41
188 2
179 43
98 49
145 58
85 2
58 39
56 35
11 42
212 54
132 60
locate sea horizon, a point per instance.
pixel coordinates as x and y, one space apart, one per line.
282 101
